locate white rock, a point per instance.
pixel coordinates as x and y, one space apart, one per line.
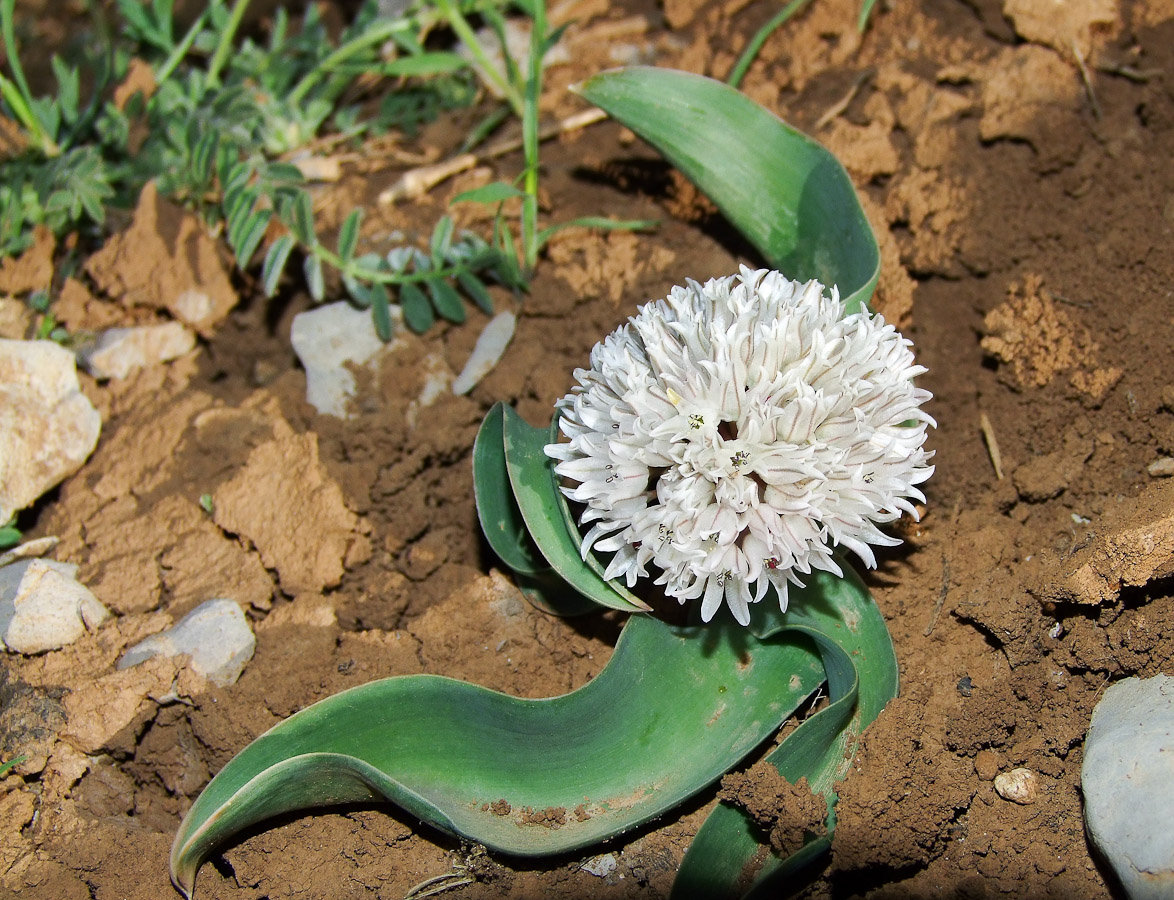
486 353
325 339
47 425
120 351
328 338
42 606
1019 786
193 306
1161 468
600 866
216 635
1128 784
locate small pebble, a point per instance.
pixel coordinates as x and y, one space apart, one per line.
600 866
42 606
1019 786
120 351
1161 468
216 635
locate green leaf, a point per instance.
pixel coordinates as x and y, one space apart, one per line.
315 282
204 156
417 310
497 510
622 749
495 192
9 536
865 14
446 300
381 311
7 767
303 219
441 241
68 89
348 235
475 288
424 64
857 653
535 487
251 236
782 190
274 265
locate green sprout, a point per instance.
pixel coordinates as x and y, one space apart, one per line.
7 767
754 45
446 751
9 534
522 90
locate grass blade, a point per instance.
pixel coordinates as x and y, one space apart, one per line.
444 750
494 192
782 190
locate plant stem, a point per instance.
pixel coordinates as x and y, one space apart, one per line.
181 49
464 31
760 36
381 276
530 242
18 95
377 34
224 45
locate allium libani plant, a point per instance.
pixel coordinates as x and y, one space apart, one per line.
732 435
730 442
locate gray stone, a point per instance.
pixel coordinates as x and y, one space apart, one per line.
48 427
42 606
120 351
332 340
325 340
1128 784
486 353
216 635
1161 468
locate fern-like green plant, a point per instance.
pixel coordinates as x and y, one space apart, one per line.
214 132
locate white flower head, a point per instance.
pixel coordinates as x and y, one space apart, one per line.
734 433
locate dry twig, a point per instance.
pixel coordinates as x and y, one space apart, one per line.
1087 79
837 109
417 182
992 444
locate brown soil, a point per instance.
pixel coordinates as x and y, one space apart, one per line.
1016 167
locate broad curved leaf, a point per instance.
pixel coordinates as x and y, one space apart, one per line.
602 759
782 190
542 507
840 616
497 510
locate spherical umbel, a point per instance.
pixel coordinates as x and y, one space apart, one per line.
734 433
